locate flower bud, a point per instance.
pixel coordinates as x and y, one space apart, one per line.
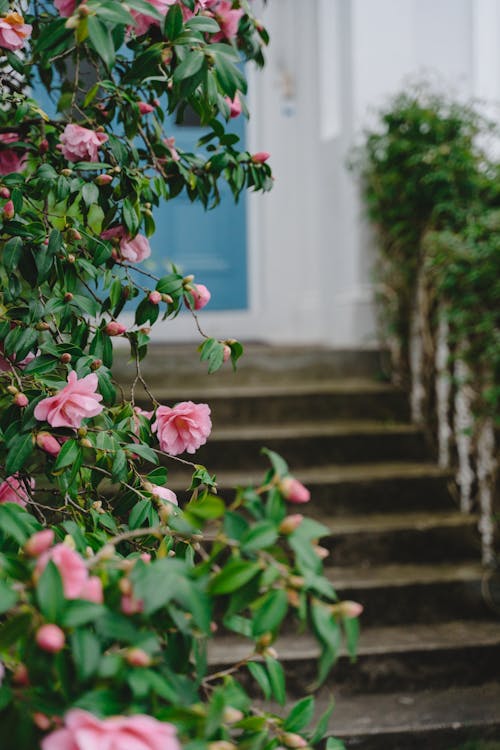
187 279
42 326
221 745
145 108
21 400
39 542
42 721
231 715
66 172
68 297
290 739
293 597
50 638
125 586
12 390
103 179
65 358
48 443
290 523
226 353
85 443
347 609
297 582
96 364
114 328
8 210
155 298
167 298
136 657
74 234
260 157
43 146
294 491
20 676
4 193
321 552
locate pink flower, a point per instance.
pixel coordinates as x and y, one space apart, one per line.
234 105
290 523
78 400
84 731
48 443
201 296
154 298
10 160
170 144
77 584
21 400
135 249
39 542
12 490
13 31
66 8
81 144
260 157
130 605
145 108
115 329
50 638
143 21
8 211
227 18
184 427
165 494
294 491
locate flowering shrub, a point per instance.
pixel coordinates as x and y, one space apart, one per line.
110 592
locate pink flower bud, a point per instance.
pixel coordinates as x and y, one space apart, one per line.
48 443
145 108
43 146
260 157
226 353
145 557
115 329
294 491
130 605
201 295
8 210
50 638
20 676
68 297
155 298
290 523
347 609
231 715
20 399
136 657
234 106
103 179
321 552
39 543
42 721
65 358
4 193
290 739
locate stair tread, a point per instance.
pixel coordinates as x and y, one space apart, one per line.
313 429
387 522
374 641
392 713
403 574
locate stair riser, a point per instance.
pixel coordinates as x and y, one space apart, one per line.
425 603
389 672
413 739
283 409
448 544
233 454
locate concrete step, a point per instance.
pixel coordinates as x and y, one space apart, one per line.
338 490
432 719
402 538
308 443
399 594
276 403
410 657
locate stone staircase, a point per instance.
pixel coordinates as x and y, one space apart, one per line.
428 666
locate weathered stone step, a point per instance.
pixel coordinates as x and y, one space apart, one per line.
404 593
354 488
410 657
431 719
402 538
235 404
307 443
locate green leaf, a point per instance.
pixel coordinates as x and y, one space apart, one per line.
260 676
12 253
271 611
173 22
260 535
86 651
102 40
300 716
15 629
203 24
144 451
50 593
233 576
19 452
68 455
322 725
120 466
130 218
80 612
207 507
191 64
90 193
333 743
351 629
95 217
279 465
276 679
17 523
55 242
139 514
8 597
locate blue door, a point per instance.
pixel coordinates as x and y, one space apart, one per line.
211 244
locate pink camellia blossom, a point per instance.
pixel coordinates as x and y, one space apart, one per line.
77 584
234 105
294 491
129 605
39 543
143 21
145 108
170 144
226 16
226 353
154 298
48 443
184 427
114 328
81 144
12 490
13 31
135 249
103 179
10 160
78 400
260 157
84 731
66 8
201 296
165 494
50 638
8 211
